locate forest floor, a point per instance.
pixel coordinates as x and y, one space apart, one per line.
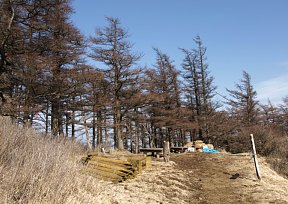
193 178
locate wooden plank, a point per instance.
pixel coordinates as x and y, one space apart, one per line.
111 175
136 161
109 160
103 172
135 157
117 172
151 149
105 175
128 169
124 166
133 160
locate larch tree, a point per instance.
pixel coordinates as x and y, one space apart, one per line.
163 88
282 116
20 58
199 88
63 50
269 113
38 43
243 103
110 46
10 35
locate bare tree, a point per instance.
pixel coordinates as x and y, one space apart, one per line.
269 114
243 103
110 46
199 88
37 45
163 90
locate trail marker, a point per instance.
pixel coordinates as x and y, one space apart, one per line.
255 157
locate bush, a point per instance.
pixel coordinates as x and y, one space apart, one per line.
280 165
35 169
270 142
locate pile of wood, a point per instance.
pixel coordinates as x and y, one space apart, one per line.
115 169
199 145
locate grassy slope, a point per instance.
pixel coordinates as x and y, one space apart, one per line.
35 169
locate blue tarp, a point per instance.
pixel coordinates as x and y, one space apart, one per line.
207 150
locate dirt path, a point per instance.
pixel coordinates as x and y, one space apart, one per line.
226 178
211 174
198 178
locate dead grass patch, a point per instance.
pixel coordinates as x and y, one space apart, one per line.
36 169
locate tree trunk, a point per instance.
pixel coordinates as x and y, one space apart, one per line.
54 118
67 116
47 118
99 127
94 128
87 132
137 136
73 125
105 128
118 124
60 123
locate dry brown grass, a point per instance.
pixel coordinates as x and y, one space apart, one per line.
36 169
270 142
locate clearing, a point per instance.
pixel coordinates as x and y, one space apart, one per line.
193 178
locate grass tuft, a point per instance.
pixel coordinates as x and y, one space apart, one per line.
36 169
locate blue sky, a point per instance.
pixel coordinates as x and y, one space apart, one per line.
250 35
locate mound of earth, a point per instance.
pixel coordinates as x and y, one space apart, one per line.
192 178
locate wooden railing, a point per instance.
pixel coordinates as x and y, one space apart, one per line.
114 169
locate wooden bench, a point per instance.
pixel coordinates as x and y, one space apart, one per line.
153 151
178 149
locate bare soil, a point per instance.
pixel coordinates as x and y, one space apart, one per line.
193 178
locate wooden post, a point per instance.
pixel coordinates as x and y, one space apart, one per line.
87 133
139 166
103 150
148 163
255 157
166 151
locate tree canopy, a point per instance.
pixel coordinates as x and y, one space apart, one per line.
46 82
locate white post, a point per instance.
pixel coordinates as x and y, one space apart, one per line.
166 151
255 157
103 150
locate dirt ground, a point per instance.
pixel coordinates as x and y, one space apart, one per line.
227 178
192 178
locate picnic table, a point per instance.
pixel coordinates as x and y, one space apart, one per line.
178 149
152 151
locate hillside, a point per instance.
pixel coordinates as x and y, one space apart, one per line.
37 169
193 178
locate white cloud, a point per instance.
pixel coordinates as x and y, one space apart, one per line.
274 89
